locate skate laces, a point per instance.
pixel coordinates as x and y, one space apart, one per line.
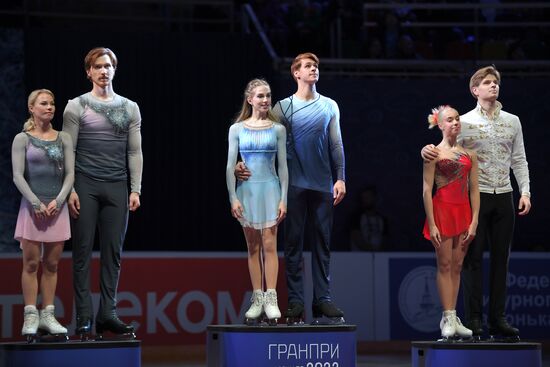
447 320
270 298
257 298
30 317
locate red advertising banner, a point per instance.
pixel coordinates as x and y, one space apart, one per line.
170 298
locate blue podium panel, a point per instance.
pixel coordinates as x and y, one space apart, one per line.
71 354
483 354
281 345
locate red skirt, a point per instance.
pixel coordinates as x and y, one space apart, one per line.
451 219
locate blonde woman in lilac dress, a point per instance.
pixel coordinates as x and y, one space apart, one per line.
43 171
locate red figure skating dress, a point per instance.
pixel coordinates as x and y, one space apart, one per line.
451 202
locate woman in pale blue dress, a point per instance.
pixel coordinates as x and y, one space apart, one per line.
259 203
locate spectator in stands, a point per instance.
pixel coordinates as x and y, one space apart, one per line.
391 35
406 48
306 23
272 18
374 49
369 230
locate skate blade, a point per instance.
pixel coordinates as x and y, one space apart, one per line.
44 337
463 339
30 338
115 337
85 337
47 337
260 321
293 321
447 339
328 321
503 339
53 338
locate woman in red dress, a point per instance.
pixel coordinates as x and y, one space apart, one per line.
451 214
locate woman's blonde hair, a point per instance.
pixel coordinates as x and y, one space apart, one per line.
29 124
246 109
435 116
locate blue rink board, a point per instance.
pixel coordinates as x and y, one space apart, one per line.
281 345
71 354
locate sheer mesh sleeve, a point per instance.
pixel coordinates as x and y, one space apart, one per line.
281 161
71 120
278 112
18 166
135 155
232 153
336 145
68 162
282 118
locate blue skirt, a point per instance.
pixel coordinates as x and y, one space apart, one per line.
260 200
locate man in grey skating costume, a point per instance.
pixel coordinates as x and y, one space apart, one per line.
105 129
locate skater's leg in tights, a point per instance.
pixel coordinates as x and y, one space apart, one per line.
443 278
29 280
269 240
255 266
458 253
271 266
48 280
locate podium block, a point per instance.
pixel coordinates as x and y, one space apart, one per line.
482 354
71 354
281 345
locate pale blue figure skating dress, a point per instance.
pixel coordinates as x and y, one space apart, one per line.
261 194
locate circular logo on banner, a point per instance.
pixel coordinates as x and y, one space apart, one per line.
419 301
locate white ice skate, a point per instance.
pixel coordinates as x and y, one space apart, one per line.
49 325
256 308
30 322
271 308
462 331
447 325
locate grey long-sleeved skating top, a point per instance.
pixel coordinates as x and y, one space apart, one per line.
43 170
105 134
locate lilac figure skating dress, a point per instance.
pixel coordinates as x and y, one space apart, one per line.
43 171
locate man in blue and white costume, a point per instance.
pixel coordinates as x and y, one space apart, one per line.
314 143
